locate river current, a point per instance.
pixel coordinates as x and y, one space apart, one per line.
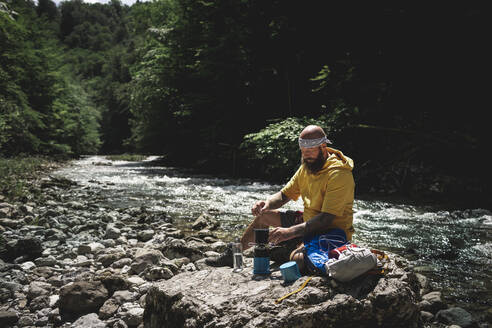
453 248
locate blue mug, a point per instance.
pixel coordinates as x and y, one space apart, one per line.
290 271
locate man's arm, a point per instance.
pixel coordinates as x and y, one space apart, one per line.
275 201
319 224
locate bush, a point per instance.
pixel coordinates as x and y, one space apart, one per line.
273 152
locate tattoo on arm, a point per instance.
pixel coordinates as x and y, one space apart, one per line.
316 226
278 200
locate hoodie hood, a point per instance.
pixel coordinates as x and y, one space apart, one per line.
337 160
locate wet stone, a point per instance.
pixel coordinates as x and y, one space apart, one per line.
455 316
8 318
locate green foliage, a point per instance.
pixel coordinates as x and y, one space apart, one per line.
127 157
42 108
274 150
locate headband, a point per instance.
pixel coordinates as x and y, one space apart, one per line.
310 143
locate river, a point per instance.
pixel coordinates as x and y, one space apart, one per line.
453 248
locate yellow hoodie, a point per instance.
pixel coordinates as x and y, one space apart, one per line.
331 190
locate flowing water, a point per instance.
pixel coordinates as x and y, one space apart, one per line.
452 248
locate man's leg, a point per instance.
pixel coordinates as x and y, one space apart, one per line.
265 220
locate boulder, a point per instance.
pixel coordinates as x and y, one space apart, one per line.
81 297
8 318
219 297
29 247
455 316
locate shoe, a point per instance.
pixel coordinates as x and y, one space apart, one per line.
224 259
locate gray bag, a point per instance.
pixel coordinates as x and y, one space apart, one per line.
351 263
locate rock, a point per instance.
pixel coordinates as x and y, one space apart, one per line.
426 316
122 262
10 286
29 247
120 324
9 223
53 300
178 251
157 273
112 232
219 246
145 235
432 302
219 297
201 222
144 258
88 321
133 317
124 296
8 318
423 282
136 280
39 303
5 294
25 321
108 259
5 212
26 266
108 309
90 248
455 316
38 288
76 205
205 221
114 283
81 297
26 209
46 261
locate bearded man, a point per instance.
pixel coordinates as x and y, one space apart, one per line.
325 183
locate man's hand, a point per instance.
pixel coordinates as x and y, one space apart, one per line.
275 201
259 207
279 235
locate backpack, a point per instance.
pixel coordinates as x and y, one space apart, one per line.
351 263
333 255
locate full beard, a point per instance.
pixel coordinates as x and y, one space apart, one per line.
316 165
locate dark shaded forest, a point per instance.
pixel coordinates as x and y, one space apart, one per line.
225 87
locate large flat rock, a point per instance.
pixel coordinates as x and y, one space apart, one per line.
219 297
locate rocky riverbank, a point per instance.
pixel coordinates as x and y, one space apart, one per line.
68 262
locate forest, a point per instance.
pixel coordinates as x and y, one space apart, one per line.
225 87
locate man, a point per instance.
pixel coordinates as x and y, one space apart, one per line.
325 183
